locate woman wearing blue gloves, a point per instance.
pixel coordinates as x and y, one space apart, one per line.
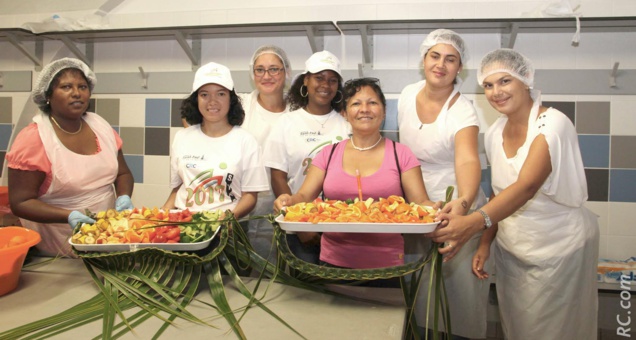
66 161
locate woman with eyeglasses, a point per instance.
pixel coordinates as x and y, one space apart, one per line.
316 100
270 69
383 167
441 126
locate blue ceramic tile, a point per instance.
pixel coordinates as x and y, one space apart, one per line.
623 185
5 135
595 150
158 112
136 166
390 121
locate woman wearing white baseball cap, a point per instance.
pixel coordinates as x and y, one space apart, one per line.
316 98
215 164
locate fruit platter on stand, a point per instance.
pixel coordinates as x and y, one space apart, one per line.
152 262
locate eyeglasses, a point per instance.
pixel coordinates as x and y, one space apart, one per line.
273 71
356 82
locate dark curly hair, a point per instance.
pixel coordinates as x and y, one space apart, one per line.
190 109
56 80
296 101
353 86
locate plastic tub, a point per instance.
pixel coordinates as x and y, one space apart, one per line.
12 255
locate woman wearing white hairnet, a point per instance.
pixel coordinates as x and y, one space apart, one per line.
269 69
316 98
441 126
547 241
67 160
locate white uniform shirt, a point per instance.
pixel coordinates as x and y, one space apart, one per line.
258 121
212 173
296 139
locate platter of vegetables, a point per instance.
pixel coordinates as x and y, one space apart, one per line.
385 215
128 230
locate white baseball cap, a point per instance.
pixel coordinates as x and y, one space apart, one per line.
213 73
323 60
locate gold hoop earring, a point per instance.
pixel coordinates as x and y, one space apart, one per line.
301 91
341 97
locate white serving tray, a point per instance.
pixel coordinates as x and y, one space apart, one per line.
350 227
105 248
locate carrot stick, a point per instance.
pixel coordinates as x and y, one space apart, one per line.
359 184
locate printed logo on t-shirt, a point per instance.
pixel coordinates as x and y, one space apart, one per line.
307 161
206 189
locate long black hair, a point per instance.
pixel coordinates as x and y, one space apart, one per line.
190 109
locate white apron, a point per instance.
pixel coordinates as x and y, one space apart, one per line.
467 295
546 257
79 181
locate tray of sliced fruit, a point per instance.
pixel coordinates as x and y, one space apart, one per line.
129 230
385 215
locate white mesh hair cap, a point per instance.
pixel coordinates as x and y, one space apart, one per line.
275 50
445 36
49 72
508 61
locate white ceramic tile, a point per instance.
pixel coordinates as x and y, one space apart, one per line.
621 247
425 11
621 219
132 111
157 170
150 195
353 52
478 45
239 53
602 210
595 8
214 50
623 116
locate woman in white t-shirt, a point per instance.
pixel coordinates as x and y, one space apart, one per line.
441 126
316 98
215 164
269 69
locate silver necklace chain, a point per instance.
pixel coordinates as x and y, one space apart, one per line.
318 121
70 133
368 147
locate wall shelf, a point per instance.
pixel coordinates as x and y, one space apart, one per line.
314 31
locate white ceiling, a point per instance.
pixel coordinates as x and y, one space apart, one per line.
15 7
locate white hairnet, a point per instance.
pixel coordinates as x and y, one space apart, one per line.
444 36
508 61
49 72
275 50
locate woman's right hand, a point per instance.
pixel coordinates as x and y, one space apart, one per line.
479 260
282 201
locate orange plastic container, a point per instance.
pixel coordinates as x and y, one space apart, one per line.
4 195
12 256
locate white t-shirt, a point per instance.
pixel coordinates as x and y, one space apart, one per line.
434 143
258 121
296 139
212 173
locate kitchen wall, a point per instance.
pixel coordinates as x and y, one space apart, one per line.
606 123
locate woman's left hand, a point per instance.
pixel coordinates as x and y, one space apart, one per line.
454 231
457 206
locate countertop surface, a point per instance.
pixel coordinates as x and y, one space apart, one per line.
52 288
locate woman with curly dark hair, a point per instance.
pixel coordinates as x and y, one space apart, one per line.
215 164
316 101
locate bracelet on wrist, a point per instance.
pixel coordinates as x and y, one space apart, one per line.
487 220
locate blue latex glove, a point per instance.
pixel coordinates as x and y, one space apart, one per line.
123 202
76 217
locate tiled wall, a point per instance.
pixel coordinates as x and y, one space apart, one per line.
607 139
